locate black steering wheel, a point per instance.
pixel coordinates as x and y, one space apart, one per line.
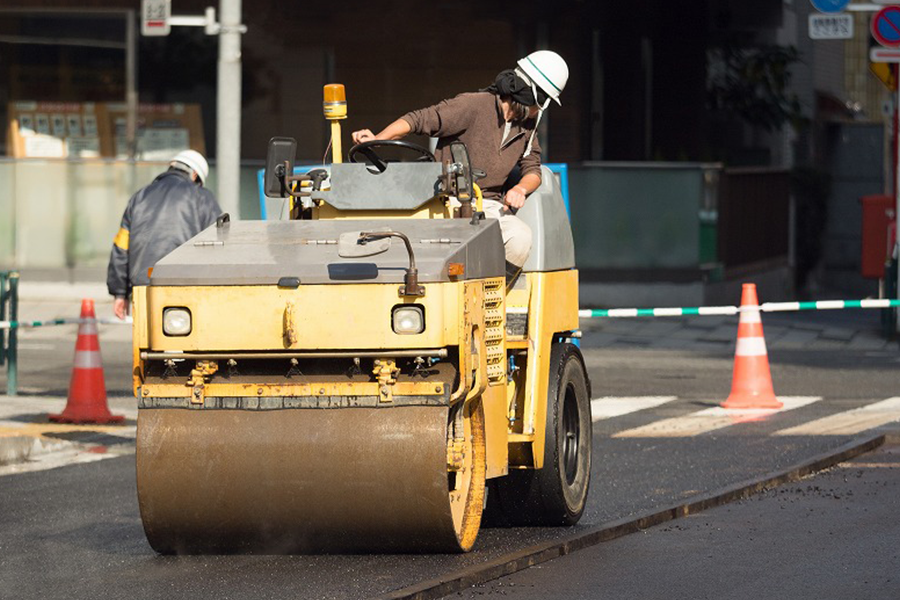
367 150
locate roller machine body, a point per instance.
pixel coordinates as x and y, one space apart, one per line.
360 378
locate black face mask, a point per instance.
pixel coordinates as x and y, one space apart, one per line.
508 83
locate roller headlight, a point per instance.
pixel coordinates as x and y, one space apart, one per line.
176 321
408 319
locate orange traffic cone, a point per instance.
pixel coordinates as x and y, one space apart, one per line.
87 391
751 385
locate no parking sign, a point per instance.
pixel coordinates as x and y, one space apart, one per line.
886 26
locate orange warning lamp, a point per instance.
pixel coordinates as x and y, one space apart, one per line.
335 106
335 101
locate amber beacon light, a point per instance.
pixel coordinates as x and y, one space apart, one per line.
334 106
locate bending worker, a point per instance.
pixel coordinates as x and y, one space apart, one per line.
498 126
161 216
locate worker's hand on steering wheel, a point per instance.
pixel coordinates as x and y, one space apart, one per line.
515 197
363 135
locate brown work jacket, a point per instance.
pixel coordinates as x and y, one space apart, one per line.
476 119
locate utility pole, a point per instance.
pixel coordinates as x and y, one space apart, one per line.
157 19
131 93
228 108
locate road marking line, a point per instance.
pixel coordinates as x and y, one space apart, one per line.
711 419
852 421
608 407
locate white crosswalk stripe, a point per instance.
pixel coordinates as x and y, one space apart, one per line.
616 406
712 419
850 422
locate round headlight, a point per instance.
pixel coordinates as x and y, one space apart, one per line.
176 321
408 319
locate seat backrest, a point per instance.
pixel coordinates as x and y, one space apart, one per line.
552 247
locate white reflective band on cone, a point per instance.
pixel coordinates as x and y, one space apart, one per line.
88 329
751 316
754 346
88 359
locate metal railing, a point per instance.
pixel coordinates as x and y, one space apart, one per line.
9 310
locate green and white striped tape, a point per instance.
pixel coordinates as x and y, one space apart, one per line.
67 321
733 310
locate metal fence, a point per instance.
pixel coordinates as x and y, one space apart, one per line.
58 214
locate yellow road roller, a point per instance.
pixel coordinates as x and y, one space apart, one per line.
359 377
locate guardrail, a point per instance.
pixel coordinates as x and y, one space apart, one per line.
9 309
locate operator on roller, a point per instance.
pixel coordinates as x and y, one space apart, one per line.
161 216
498 126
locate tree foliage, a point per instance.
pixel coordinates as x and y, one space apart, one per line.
753 84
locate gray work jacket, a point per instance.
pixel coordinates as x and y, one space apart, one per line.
159 217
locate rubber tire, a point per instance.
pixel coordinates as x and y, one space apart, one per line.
544 497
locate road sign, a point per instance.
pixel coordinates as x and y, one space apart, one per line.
886 26
155 16
885 74
830 6
831 27
884 55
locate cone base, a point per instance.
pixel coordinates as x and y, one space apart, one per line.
752 401
86 419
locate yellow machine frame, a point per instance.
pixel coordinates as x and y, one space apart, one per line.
473 314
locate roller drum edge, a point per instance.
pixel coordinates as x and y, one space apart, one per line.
296 480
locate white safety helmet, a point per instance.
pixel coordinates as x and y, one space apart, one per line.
547 70
195 162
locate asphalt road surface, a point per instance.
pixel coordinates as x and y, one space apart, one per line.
832 535
75 532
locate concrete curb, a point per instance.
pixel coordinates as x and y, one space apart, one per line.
21 448
28 446
517 561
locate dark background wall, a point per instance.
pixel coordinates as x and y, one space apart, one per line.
636 92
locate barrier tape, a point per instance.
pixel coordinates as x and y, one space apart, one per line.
733 310
50 322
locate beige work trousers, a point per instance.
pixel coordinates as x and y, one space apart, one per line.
515 232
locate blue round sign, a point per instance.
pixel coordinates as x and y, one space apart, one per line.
830 6
886 26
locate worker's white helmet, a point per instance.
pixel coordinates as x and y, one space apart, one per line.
547 70
194 161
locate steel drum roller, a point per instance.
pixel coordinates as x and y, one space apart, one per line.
299 480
